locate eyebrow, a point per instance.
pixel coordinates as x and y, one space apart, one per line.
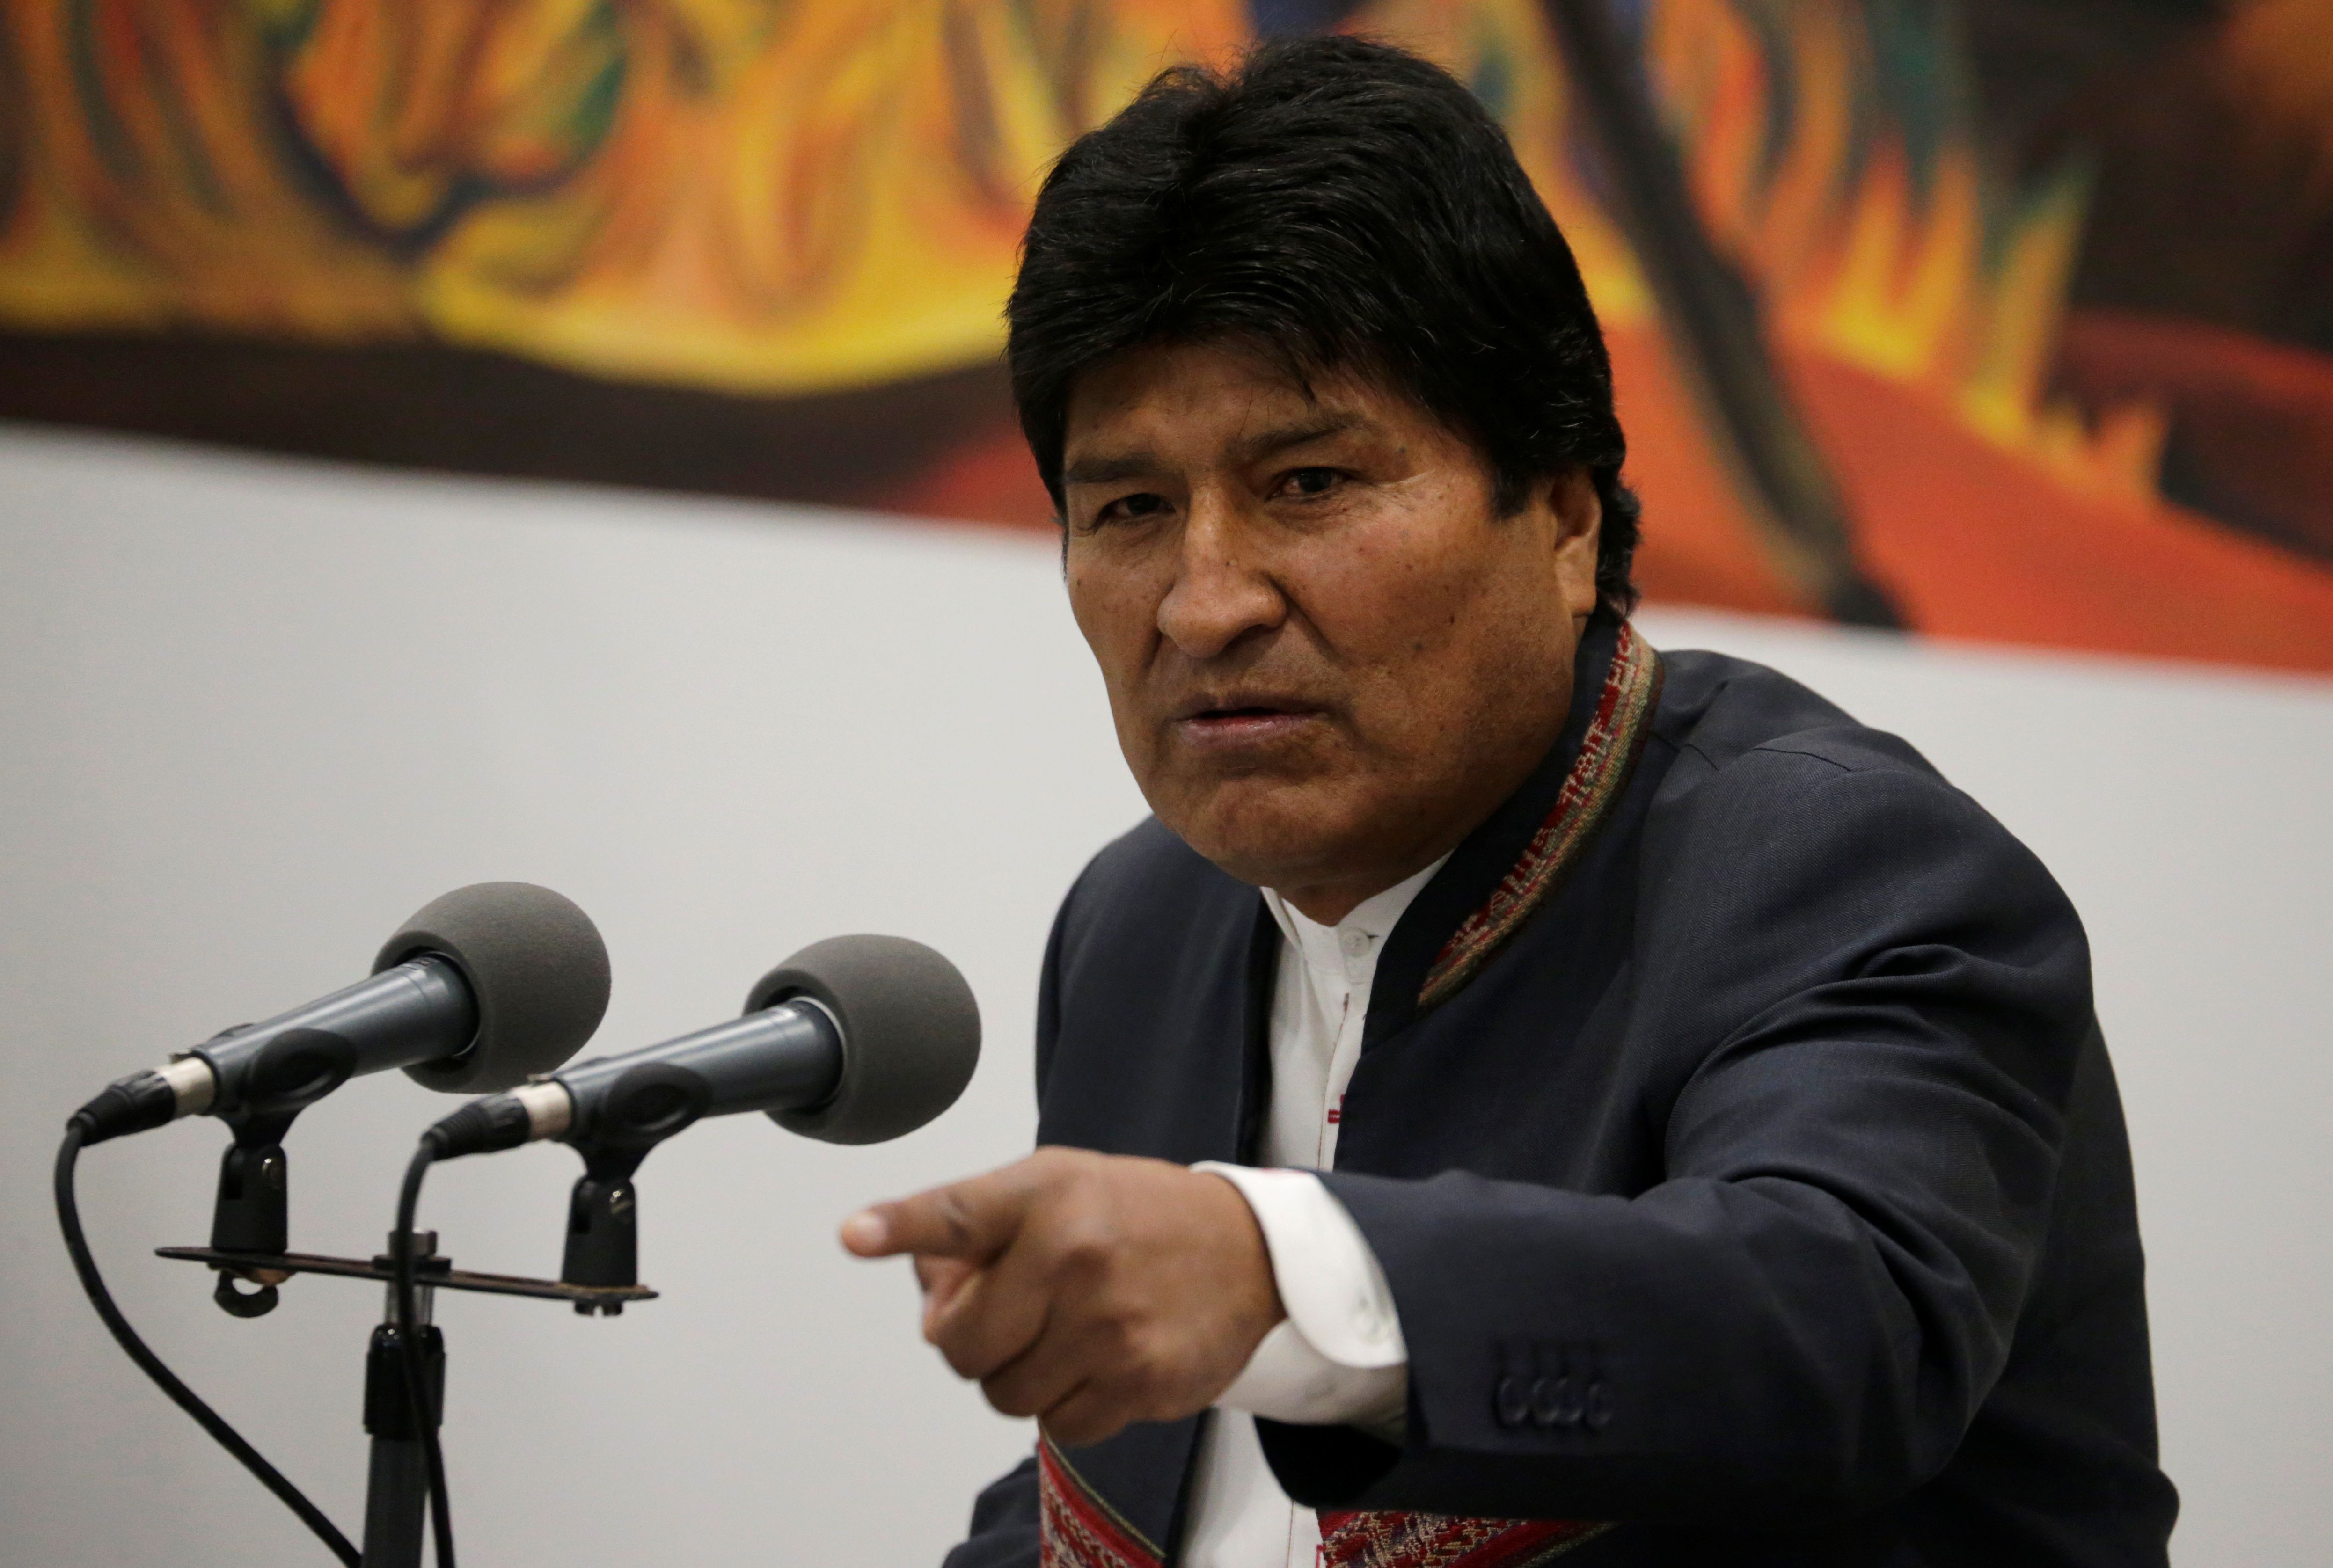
1112 468
1292 435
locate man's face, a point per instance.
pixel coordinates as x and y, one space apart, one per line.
1328 656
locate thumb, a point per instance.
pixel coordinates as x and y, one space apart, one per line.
944 1280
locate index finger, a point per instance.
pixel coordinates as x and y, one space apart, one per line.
974 1219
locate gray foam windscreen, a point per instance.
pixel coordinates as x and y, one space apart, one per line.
910 1034
537 967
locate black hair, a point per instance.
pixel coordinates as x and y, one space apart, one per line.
1349 205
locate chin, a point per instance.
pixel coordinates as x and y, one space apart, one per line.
1272 836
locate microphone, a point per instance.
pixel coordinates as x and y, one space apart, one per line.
481 989
855 1039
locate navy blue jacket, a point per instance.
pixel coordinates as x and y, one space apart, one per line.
1767 1192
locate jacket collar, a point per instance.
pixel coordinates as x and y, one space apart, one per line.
1519 855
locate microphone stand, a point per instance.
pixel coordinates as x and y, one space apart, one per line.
397 1486
397 1483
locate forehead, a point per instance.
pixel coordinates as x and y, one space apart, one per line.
1188 397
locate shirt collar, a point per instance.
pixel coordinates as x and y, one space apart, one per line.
1348 949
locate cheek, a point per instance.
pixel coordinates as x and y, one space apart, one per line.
1112 613
1118 620
1395 592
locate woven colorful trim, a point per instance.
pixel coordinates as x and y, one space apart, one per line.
1076 1529
1388 1540
1608 754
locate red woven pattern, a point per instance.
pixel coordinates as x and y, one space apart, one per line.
1607 755
1390 1540
1076 1529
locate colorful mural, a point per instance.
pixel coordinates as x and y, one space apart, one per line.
760 246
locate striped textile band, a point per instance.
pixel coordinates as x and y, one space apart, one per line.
1076 1528
1386 1540
1608 754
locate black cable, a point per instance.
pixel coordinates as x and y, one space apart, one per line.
408 1339
185 1397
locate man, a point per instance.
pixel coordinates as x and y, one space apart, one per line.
1521 1094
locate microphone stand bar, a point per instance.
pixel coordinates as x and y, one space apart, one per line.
273 1267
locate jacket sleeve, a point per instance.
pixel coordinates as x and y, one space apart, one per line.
1874 998
1004 1524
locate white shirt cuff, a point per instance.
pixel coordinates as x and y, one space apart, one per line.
1339 1359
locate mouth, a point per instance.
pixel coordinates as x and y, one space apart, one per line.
1243 721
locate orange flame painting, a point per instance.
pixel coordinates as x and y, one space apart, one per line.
706 222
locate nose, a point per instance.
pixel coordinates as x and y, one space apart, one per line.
1222 592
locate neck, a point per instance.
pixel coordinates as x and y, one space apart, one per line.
1328 903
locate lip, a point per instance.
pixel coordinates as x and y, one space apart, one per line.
1243 719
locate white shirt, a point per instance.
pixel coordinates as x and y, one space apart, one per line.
1337 1358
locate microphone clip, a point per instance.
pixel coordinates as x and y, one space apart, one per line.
651 1103
603 1226
250 1212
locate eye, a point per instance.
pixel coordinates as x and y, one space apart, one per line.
1307 483
1131 508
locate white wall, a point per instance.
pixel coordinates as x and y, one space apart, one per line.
252 712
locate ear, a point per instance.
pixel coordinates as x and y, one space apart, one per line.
1579 516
